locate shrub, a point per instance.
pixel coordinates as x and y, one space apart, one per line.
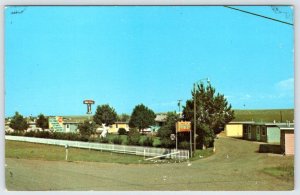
18 133
184 145
43 134
133 137
117 140
167 143
29 134
58 135
122 131
148 141
104 140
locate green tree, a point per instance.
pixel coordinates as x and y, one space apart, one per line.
167 129
42 122
105 115
142 117
18 122
212 113
123 117
133 137
87 128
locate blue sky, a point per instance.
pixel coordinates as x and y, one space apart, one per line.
55 57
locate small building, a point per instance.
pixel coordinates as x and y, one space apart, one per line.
70 127
287 139
160 119
114 128
236 128
60 124
263 132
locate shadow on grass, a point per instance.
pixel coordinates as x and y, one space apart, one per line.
269 148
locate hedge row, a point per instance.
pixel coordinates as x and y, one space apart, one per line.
130 139
77 137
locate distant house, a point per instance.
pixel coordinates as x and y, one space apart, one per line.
236 129
287 139
160 119
114 128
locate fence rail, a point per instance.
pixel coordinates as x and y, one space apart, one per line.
136 150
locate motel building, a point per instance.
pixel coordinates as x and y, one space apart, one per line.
272 133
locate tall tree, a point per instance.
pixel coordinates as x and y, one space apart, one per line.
142 117
167 129
42 122
18 122
105 115
212 113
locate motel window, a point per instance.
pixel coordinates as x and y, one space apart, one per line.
67 125
258 130
249 129
116 125
244 129
263 131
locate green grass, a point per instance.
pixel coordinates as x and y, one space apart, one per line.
236 165
199 154
264 115
23 150
284 172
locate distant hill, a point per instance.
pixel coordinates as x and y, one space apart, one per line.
265 115
240 115
79 118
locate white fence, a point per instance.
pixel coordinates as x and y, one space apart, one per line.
136 150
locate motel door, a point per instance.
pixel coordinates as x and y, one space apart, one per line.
249 132
258 133
67 128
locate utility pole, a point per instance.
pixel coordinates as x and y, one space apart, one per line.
195 120
179 105
179 119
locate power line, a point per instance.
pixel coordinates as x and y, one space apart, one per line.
260 15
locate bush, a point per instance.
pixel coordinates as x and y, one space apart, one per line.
117 140
29 134
58 135
122 131
184 145
42 134
167 143
133 137
17 133
104 140
148 141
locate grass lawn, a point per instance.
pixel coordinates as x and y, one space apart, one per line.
199 154
285 172
25 150
235 165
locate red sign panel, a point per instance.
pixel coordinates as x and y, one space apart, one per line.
183 126
88 101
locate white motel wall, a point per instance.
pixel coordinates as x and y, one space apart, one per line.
135 150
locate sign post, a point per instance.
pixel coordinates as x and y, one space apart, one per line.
66 147
89 106
184 126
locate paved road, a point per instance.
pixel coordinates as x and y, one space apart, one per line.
235 166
